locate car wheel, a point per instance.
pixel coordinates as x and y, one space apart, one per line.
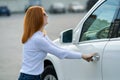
49 73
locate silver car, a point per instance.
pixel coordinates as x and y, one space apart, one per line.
76 7
57 7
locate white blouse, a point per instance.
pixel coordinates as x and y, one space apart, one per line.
36 49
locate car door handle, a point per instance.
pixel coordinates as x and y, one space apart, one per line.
96 57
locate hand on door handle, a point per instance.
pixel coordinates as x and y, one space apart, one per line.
96 57
88 57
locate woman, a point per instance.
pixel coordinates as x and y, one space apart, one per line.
37 45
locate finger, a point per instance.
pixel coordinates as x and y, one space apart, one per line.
92 54
91 60
88 60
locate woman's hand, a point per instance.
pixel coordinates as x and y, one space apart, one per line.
88 57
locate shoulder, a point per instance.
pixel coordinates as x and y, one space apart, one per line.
38 38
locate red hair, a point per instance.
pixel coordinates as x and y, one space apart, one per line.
33 21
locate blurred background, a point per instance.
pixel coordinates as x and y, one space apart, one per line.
62 15
18 6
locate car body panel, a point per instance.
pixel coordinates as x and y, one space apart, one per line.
111 58
79 68
57 65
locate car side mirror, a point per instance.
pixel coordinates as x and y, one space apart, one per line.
66 36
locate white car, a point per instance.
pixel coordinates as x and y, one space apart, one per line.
76 7
98 31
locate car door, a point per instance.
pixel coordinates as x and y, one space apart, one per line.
111 56
94 37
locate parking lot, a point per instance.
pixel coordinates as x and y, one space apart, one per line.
10 39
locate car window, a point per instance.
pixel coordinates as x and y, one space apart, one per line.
118 34
98 24
114 33
115 27
118 30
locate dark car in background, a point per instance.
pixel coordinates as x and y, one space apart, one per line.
4 10
57 7
90 3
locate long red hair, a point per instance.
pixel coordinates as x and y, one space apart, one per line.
33 21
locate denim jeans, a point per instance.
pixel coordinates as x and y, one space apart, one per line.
24 76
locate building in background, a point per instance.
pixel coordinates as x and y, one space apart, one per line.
19 5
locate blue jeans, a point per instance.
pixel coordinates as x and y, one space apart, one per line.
24 76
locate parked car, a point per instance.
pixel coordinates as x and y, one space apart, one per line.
76 7
4 11
90 3
98 32
57 7
33 3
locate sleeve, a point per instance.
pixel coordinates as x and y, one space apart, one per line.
46 46
51 42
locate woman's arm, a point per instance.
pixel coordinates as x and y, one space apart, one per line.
51 48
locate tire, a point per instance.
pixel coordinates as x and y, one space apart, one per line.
49 73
